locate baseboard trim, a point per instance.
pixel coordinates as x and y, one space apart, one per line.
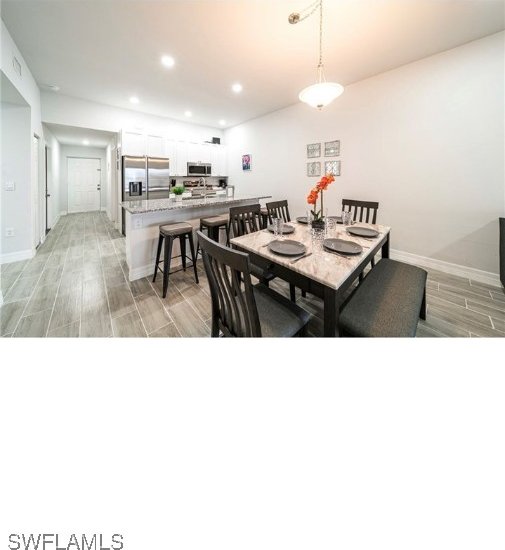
447 267
16 256
148 270
63 213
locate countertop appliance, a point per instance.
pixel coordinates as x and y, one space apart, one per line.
144 178
199 169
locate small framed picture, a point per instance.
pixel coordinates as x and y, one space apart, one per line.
332 148
246 162
313 169
332 167
313 150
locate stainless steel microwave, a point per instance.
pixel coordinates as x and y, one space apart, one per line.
199 169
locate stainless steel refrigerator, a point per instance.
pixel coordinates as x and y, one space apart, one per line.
145 178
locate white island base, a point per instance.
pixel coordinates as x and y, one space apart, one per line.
143 219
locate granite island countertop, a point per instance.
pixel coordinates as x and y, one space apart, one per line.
160 205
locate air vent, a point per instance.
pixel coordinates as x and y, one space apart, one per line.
17 65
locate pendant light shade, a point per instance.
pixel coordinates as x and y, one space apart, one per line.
321 94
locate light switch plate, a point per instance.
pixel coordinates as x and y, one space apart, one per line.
10 186
9 231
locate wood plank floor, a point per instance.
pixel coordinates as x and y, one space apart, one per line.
76 286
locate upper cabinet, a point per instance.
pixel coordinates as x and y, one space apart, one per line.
179 152
133 143
155 146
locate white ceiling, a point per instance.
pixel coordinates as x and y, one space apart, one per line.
109 50
70 135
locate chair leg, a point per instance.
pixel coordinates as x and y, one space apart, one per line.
360 277
292 292
423 306
193 256
166 263
158 254
182 241
304 293
214 329
373 262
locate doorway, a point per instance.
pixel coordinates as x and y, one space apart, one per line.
49 178
36 206
84 184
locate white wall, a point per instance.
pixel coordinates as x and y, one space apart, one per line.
425 140
71 111
28 89
16 167
67 151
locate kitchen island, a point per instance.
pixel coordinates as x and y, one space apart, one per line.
143 218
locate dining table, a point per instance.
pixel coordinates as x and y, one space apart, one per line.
317 271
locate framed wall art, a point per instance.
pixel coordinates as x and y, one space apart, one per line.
313 150
246 162
332 148
313 169
332 167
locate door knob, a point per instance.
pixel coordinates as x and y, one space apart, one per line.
48 195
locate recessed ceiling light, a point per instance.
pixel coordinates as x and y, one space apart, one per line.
237 88
54 88
85 141
188 113
168 61
222 122
134 100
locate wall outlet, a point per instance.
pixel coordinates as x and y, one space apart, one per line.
137 222
9 231
10 186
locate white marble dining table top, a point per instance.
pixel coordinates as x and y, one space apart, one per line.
325 267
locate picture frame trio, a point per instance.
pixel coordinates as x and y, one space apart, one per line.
331 149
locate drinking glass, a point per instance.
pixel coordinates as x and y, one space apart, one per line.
331 224
277 226
317 236
346 218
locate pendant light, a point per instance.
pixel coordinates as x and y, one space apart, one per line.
322 93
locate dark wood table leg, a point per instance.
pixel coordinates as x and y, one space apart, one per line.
330 313
385 248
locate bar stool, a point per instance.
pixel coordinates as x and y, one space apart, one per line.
168 233
213 224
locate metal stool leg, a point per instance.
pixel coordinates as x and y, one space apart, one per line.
182 241
158 254
193 255
292 292
166 263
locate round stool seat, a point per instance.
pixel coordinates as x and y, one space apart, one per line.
175 229
215 221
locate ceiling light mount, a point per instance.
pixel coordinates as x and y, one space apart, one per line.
322 93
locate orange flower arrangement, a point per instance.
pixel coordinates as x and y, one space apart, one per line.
322 185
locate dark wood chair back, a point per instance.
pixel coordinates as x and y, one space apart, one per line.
234 310
362 211
245 219
278 209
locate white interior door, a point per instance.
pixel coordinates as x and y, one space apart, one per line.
84 177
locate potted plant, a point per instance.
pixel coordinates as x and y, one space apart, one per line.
178 191
318 191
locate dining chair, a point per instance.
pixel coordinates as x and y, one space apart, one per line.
240 309
366 211
278 209
245 220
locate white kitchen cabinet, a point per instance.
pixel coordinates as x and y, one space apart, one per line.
181 158
193 152
219 160
133 143
155 146
205 153
170 152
